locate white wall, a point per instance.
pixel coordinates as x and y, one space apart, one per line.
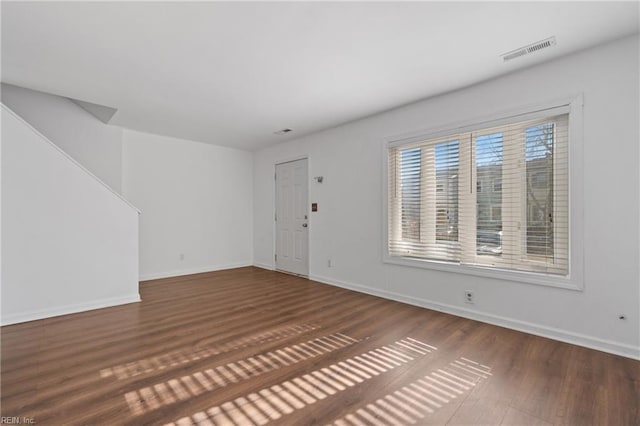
69 243
196 200
348 225
95 145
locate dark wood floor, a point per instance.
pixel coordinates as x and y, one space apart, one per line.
249 346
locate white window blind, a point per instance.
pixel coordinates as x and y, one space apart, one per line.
491 196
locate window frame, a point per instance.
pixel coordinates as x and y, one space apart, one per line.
573 106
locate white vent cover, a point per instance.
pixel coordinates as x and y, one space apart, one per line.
531 48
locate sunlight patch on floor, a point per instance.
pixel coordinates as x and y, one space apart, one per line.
183 356
153 397
419 399
277 401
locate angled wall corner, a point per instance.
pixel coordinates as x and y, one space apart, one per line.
101 112
74 129
69 241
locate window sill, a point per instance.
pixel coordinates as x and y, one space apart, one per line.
548 280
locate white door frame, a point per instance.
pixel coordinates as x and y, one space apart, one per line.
275 209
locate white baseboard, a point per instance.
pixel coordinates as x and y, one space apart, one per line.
264 266
68 309
181 272
615 348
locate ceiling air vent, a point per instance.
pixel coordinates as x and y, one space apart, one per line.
534 47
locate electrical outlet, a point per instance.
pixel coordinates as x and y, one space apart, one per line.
468 297
181 256
328 263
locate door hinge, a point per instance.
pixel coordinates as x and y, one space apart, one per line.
275 257
275 176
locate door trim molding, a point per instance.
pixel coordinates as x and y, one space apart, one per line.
290 160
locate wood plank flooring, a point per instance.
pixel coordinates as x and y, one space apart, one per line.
253 347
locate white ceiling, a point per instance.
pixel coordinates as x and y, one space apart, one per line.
233 73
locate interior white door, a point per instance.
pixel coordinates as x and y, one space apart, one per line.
292 224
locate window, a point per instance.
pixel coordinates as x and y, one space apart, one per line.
410 160
496 213
491 196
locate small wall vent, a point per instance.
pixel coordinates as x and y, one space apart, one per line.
534 47
282 132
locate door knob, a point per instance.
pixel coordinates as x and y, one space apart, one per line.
304 225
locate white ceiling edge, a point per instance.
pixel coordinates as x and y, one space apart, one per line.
232 74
